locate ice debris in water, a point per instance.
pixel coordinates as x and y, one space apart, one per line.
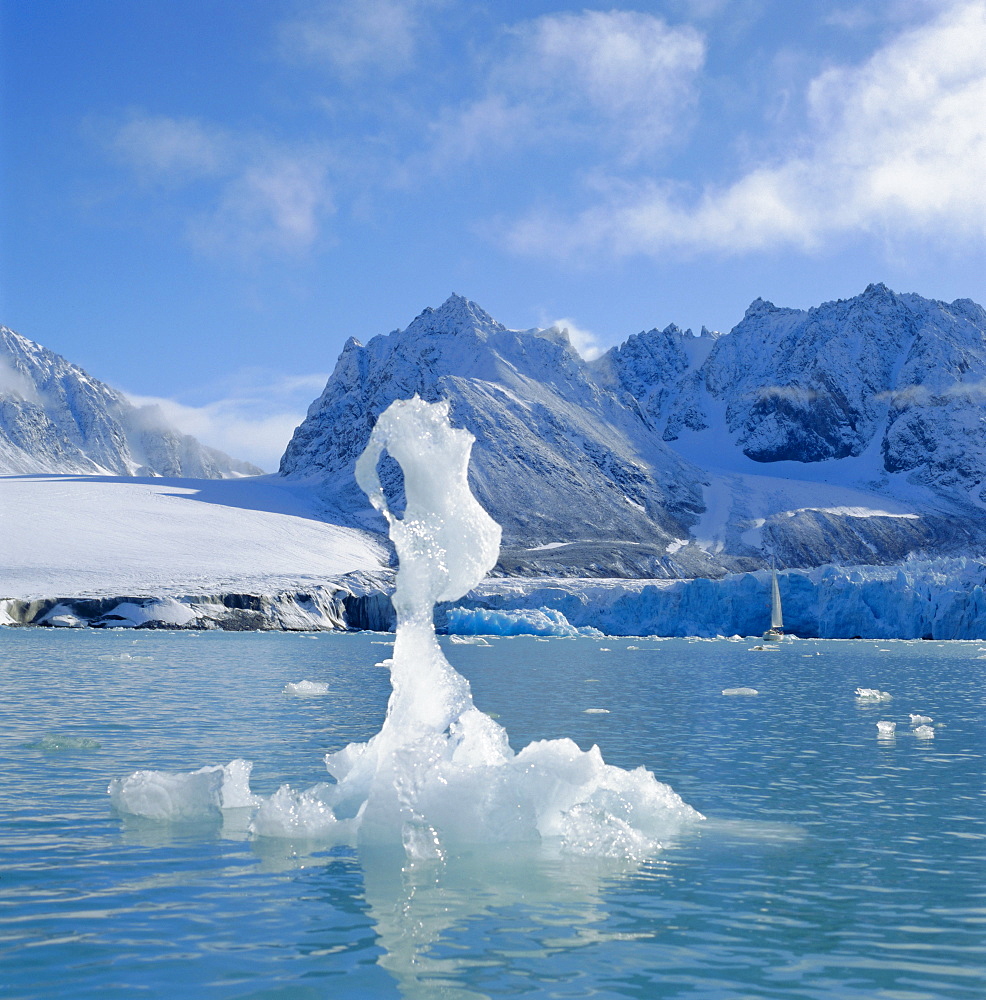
125 658
525 621
440 771
886 728
873 694
740 691
203 794
306 689
470 640
924 733
920 720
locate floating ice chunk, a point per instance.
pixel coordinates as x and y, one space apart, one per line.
65 621
596 711
740 691
920 720
886 728
470 640
873 694
306 689
924 733
177 797
125 658
525 621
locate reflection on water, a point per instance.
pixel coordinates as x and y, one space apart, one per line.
833 864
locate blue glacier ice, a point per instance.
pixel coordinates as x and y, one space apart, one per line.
524 621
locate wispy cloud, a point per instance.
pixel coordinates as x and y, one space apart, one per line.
584 341
620 79
259 196
894 146
351 39
161 147
255 419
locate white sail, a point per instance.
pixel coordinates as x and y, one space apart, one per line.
776 617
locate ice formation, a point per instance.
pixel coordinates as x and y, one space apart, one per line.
524 621
740 691
440 772
924 733
164 795
920 720
886 728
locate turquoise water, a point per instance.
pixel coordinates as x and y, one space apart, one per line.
833 863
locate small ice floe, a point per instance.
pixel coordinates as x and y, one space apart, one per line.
125 658
605 649
381 642
924 733
921 720
740 692
885 728
873 694
469 640
596 711
633 647
177 797
764 649
386 664
306 689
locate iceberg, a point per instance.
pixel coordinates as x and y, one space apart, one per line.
441 772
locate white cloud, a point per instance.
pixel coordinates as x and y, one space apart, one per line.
619 78
584 341
897 145
371 36
163 147
263 197
254 422
278 204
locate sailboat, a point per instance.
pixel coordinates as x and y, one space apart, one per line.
776 631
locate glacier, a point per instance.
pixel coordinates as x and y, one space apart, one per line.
641 493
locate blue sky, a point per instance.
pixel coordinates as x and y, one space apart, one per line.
202 200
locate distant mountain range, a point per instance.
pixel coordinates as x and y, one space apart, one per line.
56 418
849 433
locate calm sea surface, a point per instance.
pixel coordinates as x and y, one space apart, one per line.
834 863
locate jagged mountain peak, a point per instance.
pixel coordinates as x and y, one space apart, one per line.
456 315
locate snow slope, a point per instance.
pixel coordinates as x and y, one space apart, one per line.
68 536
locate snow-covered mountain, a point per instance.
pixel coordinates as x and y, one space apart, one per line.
849 433
56 418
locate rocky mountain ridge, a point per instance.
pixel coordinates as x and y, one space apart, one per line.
851 433
56 418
